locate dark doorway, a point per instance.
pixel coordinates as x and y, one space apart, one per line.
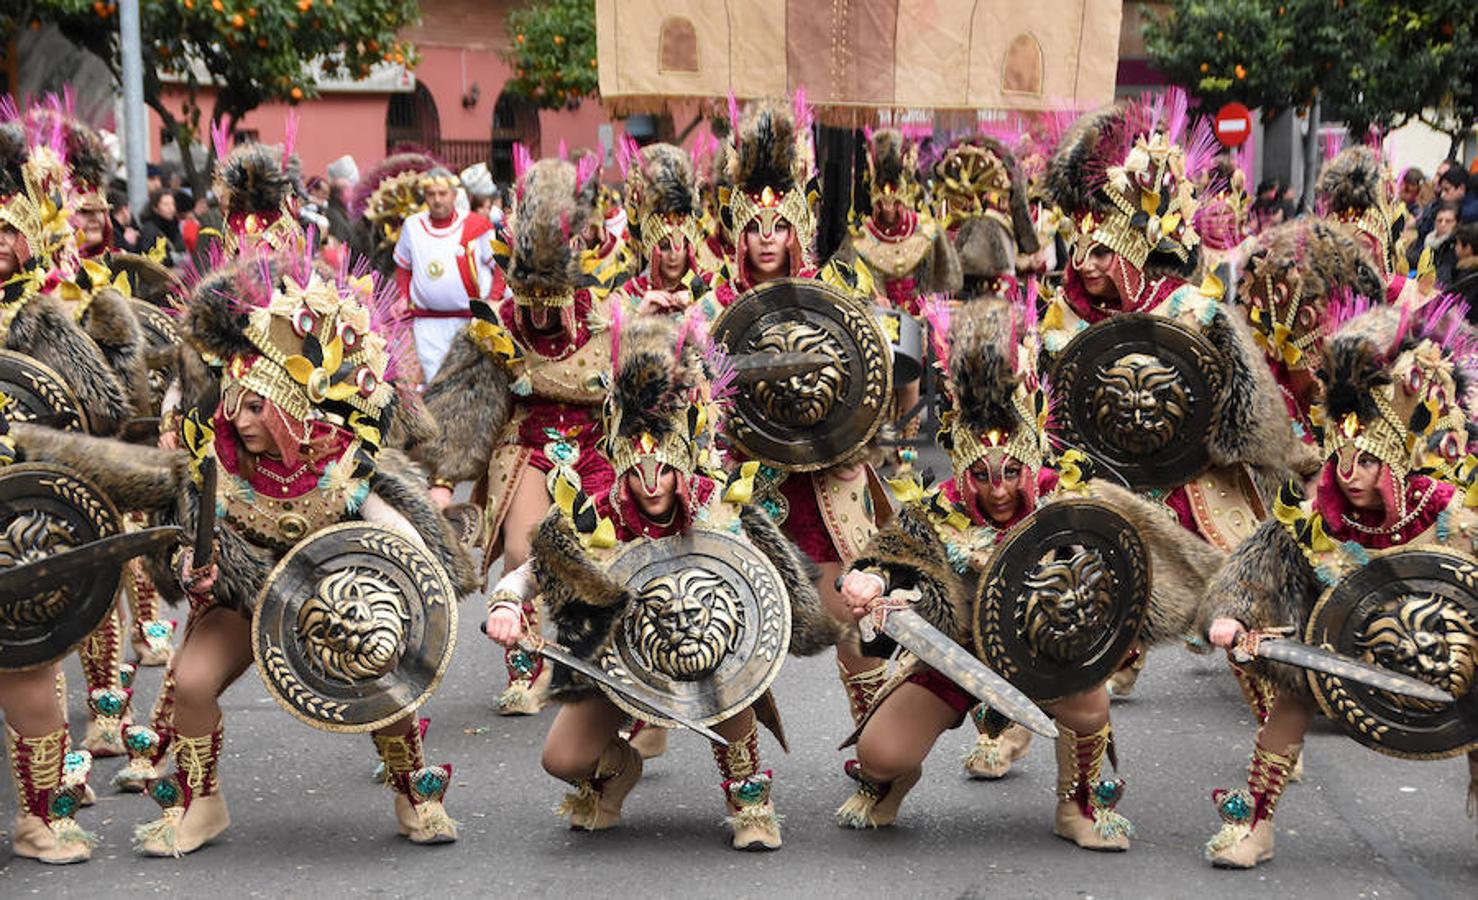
515 121
411 121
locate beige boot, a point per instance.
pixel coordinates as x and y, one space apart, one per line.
49 782
1085 804
420 790
595 804
146 747
1000 743
1246 835
874 805
528 674
1121 683
194 810
648 739
101 655
862 688
752 815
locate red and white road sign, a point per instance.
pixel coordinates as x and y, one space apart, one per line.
1233 125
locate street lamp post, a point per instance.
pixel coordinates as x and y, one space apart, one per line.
135 136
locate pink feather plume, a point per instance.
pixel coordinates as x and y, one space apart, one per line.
734 113
220 139
289 137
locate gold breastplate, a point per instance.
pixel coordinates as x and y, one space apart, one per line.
570 379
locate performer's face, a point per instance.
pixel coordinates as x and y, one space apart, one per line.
656 504
441 199
998 499
887 210
673 258
10 262
1094 270
1358 483
768 254
251 425
89 224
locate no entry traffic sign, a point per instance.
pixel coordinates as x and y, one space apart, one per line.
1233 125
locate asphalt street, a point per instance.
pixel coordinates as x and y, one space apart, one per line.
308 822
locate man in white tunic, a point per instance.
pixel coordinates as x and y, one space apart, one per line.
444 259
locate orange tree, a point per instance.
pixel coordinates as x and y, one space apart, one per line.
249 51
551 46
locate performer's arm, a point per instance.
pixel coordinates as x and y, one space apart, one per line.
505 623
403 282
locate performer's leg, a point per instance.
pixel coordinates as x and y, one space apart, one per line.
214 653
584 748
752 815
904 399
999 743
147 744
420 790
49 780
1246 835
152 635
891 752
528 676
101 655
1260 694
861 675
1085 803
1121 683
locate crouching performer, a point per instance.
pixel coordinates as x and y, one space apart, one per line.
1059 572
686 596
1378 567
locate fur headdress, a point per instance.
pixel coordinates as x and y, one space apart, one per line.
1292 275
258 187
892 167
998 403
13 155
320 345
555 202
1125 175
1393 385
1351 191
662 408
981 198
662 195
771 172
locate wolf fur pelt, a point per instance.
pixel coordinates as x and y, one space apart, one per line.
1267 582
552 206
45 330
111 323
1254 426
470 402
585 604
909 555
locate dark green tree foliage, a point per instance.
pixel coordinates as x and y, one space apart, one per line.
551 46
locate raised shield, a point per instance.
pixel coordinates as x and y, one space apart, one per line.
354 627
46 509
707 628
1413 611
814 419
1140 394
160 335
1062 599
148 280
36 393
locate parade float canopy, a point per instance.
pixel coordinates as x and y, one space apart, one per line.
855 56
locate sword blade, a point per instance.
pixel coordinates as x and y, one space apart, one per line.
1307 656
752 367
597 674
935 648
70 565
205 516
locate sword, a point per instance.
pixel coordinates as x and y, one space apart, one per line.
553 651
1280 648
753 367
205 516
892 616
68 566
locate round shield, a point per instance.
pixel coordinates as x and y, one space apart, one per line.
47 509
1140 394
160 335
707 628
148 280
1063 599
1414 611
354 627
36 393
814 419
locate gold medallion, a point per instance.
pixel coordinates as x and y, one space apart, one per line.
435 269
